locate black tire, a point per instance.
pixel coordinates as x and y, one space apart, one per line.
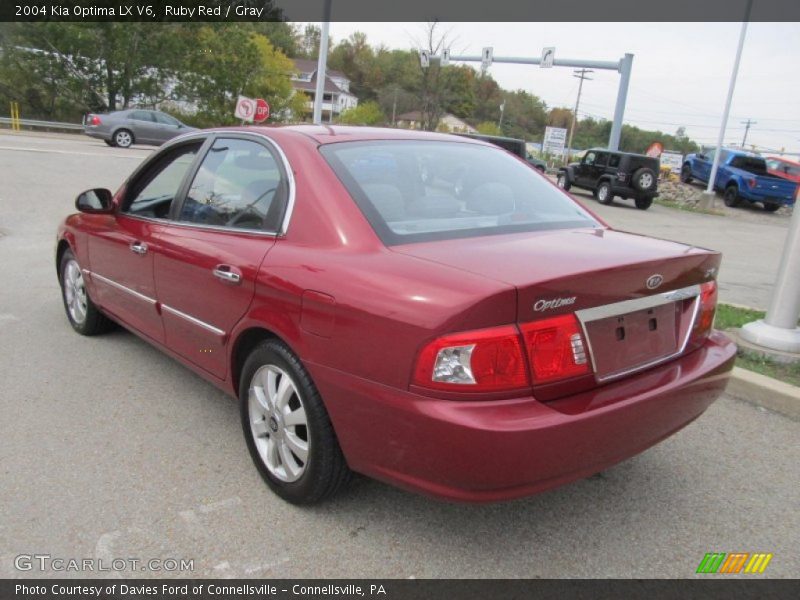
325 471
93 322
643 203
686 174
644 179
604 194
731 196
771 206
110 143
542 168
562 181
123 138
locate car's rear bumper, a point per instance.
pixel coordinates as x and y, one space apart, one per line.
97 133
497 450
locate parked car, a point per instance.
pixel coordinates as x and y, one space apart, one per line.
741 177
474 348
783 167
609 173
513 145
124 128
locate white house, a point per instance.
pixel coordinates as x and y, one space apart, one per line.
336 96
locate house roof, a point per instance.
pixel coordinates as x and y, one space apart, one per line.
311 86
307 65
414 115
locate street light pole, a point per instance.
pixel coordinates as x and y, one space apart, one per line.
708 199
747 125
322 63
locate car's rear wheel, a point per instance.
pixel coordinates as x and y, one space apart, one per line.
686 174
604 193
123 138
643 203
644 179
563 182
771 206
288 432
731 196
82 314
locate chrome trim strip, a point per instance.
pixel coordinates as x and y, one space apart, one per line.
122 288
170 223
193 320
596 313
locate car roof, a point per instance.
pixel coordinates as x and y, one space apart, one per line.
620 152
331 134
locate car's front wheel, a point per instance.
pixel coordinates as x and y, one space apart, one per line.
562 181
643 203
686 174
82 314
123 138
288 432
604 193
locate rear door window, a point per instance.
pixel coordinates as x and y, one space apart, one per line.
240 185
142 115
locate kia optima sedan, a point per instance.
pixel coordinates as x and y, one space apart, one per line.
476 344
124 128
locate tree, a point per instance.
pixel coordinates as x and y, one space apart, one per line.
489 128
367 113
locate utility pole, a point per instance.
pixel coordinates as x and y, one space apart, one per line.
746 129
502 111
394 108
580 74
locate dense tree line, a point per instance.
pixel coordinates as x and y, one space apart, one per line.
59 71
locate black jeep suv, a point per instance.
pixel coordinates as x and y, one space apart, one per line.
608 174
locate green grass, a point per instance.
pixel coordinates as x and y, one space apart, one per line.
729 317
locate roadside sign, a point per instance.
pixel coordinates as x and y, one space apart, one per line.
655 149
245 109
262 111
548 54
555 138
487 55
673 160
445 57
424 59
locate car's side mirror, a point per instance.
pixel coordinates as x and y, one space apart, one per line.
701 156
95 201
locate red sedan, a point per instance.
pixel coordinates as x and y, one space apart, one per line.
421 308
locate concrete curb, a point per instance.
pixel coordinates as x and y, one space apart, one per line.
761 390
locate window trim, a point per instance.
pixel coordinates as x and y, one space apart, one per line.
208 140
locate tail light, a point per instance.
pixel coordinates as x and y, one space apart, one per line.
751 182
492 360
556 349
93 120
706 310
474 361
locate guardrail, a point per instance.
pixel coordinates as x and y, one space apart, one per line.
33 123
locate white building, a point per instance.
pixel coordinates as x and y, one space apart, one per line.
336 96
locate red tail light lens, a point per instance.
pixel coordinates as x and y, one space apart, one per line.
473 361
708 306
94 120
751 182
556 349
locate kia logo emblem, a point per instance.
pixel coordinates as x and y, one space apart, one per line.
654 281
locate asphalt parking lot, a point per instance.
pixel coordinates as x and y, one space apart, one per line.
112 450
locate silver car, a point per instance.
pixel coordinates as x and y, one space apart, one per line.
134 126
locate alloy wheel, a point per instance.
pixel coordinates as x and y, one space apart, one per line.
75 292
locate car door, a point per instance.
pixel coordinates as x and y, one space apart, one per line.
210 254
583 175
702 166
144 126
599 167
166 127
121 250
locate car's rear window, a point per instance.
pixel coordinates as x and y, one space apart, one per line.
751 164
414 191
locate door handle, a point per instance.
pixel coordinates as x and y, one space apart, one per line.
227 274
138 247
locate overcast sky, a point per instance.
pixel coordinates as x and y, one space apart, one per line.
680 70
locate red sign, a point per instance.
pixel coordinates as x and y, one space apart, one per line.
655 149
262 111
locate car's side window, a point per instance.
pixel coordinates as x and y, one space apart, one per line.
710 155
163 119
589 158
602 159
613 161
239 184
141 115
153 191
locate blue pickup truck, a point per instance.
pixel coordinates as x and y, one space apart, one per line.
741 177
